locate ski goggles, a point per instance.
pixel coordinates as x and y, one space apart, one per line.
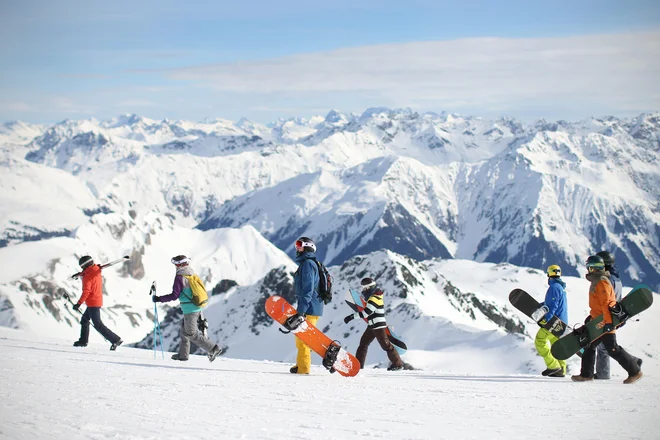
302 244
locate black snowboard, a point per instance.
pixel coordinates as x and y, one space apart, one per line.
524 302
638 300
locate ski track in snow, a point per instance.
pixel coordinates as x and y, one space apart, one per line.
51 390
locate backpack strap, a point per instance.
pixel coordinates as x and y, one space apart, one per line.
189 298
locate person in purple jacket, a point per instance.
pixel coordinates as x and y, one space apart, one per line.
189 328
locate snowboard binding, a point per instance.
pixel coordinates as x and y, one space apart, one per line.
331 356
292 323
582 334
618 311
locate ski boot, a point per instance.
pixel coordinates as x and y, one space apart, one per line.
551 371
80 344
214 353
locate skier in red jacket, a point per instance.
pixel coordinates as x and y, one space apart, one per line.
92 296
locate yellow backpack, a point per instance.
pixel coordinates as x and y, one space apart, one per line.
199 296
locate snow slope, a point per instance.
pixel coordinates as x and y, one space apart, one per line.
51 390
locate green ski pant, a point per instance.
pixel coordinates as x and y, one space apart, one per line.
543 341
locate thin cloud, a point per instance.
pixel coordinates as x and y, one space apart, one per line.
84 76
67 105
15 106
477 72
136 103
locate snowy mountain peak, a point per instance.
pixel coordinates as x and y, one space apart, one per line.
334 117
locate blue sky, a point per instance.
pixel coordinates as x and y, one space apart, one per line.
265 59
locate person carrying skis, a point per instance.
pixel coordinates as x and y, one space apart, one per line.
190 331
601 298
374 313
92 297
602 358
310 304
555 302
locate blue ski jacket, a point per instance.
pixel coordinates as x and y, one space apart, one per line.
306 283
555 300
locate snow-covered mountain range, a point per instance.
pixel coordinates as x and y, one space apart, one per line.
234 195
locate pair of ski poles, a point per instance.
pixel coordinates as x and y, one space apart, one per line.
157 331
202 324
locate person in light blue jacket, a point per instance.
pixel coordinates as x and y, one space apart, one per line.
310 304
555 301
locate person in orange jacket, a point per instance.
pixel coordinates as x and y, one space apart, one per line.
92 296
601 298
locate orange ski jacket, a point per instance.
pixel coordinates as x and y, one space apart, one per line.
601 296
92 290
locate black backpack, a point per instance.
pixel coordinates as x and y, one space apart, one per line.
325 282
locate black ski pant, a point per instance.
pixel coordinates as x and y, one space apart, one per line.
94 314
616 352
379 334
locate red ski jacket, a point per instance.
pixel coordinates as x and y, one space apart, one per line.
92 292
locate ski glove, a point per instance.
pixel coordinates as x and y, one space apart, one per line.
76 307
155 299
349 318
608 328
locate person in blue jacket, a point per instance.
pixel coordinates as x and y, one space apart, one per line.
602 358
555 301
310 304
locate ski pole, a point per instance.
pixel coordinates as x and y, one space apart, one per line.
68 298
103 266
157 330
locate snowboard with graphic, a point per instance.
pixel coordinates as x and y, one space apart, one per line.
526 303
334 357
357 303
638 300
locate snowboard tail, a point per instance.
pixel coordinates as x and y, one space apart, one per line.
638 300
335 358
524 302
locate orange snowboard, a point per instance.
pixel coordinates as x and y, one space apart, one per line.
279 309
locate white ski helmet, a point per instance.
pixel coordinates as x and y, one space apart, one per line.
180 260
305 244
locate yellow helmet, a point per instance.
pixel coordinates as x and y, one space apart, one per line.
554 271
